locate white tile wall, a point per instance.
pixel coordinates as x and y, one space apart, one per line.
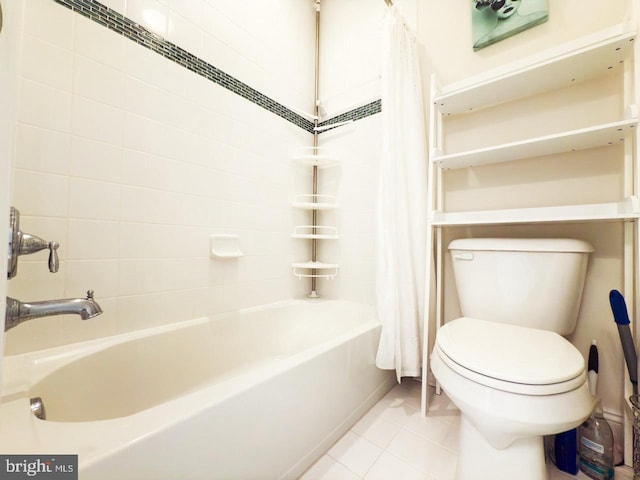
351 45
96 160
46 62
44 106
357 148
49 22
352 48
100 44
131 162
251 40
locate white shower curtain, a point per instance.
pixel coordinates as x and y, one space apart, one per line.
402 203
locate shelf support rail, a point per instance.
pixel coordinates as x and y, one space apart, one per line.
431 281
316 132
631 266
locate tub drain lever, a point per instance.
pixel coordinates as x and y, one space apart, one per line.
37 408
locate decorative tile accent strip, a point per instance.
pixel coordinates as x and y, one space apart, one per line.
118 23
355 114
113 20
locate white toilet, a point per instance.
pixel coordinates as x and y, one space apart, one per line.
505 364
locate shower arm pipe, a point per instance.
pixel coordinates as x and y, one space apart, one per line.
316 115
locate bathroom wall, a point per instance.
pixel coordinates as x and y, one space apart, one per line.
98 192
131 161
580 177
354 181
444 30
9 43
349 78
350 54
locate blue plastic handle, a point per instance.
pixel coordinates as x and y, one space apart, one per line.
619 308
621 316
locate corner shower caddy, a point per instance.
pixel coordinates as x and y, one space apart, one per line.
587 58
317 158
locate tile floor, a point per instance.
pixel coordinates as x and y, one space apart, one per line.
393 441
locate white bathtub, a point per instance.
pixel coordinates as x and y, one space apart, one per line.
259 394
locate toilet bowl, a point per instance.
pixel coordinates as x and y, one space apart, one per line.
512 374
508 399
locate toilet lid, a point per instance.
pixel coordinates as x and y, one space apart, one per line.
510 353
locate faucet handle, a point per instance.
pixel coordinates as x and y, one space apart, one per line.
21 243
54 263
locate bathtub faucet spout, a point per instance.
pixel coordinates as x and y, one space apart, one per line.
18 312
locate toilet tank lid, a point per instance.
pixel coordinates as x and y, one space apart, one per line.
521 244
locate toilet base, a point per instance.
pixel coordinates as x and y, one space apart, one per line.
478 460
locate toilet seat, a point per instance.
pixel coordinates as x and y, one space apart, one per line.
510 358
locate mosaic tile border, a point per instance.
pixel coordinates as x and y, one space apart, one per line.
117 22
356 114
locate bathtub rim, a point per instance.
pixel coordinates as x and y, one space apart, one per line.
119 433
18 369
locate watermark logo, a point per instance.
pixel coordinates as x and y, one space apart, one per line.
39 467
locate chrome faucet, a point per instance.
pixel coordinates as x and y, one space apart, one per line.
18 312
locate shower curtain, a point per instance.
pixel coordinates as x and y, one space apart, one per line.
402 202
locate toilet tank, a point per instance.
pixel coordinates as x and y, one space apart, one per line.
531 282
